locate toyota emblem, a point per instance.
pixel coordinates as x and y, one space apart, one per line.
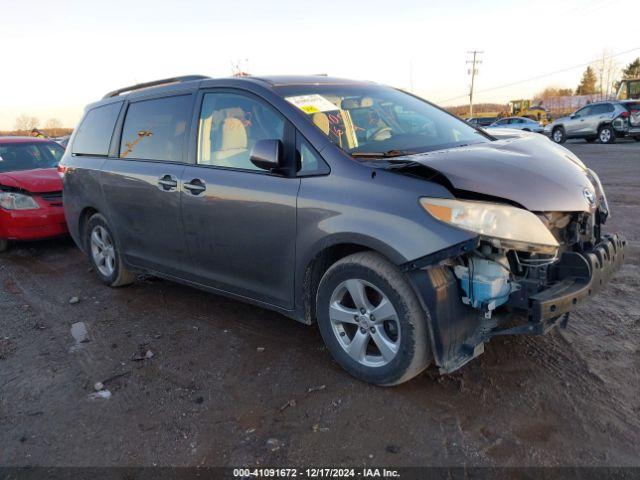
590 196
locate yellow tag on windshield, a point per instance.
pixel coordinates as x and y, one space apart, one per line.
309 109
312 103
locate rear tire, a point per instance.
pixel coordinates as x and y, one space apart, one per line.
606 134
4 245
383 317
104 254
558 135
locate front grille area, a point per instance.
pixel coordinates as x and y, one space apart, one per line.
52 198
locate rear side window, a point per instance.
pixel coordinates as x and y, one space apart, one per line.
156 129
95 131
602 108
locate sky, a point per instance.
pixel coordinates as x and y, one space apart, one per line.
59 56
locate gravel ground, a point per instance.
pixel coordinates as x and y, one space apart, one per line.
231 384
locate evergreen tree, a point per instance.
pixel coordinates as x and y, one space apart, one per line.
587 85
632 70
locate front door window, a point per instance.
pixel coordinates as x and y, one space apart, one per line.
230 124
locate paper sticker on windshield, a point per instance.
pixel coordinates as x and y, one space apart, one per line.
313 103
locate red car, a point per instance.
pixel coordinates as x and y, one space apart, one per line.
30 190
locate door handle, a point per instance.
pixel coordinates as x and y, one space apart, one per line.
168 182
195 186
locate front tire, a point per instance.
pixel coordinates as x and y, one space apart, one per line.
606 134
104 255
558 135
4 245
371 320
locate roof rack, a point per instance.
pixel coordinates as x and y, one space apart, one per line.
155 83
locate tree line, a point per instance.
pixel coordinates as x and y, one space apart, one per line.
25 124
604 77
600 79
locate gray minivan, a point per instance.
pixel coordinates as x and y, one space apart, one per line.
409 236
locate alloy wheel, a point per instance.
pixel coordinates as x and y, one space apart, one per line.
605 135
557 136
365 323
103 251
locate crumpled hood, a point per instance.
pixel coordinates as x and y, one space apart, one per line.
531 171
504 133
35 181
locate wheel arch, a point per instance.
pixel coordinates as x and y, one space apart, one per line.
607 124
85 214
325 257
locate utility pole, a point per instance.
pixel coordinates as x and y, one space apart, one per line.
473 71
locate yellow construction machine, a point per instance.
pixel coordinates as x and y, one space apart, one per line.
524 108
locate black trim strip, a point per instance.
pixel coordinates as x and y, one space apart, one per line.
449 252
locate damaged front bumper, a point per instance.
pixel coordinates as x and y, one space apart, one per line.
458 332
580 275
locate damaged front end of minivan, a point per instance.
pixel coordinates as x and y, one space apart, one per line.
539 252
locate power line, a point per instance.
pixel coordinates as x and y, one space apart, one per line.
540 76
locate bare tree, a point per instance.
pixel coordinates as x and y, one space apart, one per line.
53 126
607 71
25 122
53 123
551 92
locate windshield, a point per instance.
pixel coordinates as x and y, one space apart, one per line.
29 156
379 121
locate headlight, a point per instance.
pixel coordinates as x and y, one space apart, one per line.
595 180
17 201
505 226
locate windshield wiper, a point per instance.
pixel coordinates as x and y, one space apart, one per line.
387 154
400 164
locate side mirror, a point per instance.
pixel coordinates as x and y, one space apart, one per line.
267 154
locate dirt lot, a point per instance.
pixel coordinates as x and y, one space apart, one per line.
230 384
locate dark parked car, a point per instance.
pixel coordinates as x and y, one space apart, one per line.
63 141
408 235
481 121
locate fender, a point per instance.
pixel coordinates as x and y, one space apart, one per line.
81 189
385 216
